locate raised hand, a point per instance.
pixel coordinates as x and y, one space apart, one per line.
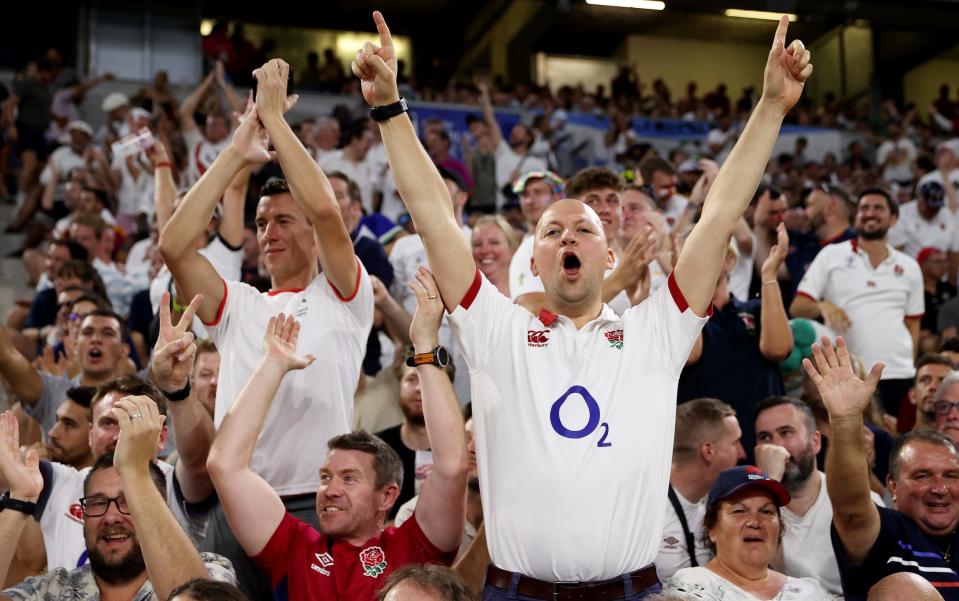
174 351
777 254
842 392
271 98
279 343
22 473
637 256
140 426
787 69
424 329
375 66
250 139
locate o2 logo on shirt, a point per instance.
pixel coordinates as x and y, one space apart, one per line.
592 423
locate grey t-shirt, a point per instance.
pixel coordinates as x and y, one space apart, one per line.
51 397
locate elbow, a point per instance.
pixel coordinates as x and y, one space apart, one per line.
170 248
455 468
217 465
776 351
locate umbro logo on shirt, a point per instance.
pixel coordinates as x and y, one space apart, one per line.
326 560
537 338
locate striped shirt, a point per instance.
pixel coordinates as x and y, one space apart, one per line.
900 547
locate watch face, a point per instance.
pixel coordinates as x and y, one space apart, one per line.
442 356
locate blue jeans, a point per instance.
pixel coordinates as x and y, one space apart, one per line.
494 593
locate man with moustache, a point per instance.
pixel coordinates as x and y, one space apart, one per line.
859 284
136 550
931 370
788 443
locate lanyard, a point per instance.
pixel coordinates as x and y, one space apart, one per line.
690 539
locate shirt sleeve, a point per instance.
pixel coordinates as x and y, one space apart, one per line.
52 585
813 283
419 548
273 559
665 320
219 568
481 319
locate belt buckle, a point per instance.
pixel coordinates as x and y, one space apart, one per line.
556 589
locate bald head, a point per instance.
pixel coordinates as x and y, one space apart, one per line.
568 207
903 585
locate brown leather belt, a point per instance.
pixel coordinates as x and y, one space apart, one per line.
606 590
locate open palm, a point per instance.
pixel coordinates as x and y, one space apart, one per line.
279 344
843 393
787 69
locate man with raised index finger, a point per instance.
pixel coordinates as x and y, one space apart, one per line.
556 394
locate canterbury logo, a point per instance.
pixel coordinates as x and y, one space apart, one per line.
537 338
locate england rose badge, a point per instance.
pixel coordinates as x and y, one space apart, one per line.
373 560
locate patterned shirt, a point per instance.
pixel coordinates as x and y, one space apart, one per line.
80 585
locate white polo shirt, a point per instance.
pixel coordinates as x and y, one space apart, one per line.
521 278
574 429
913 232
876 301
312 404
61 518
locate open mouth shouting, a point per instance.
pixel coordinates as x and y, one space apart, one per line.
571 265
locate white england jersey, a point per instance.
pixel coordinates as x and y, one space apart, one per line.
574 429
312 404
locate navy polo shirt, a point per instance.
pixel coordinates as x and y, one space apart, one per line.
803 248
900 547
731 367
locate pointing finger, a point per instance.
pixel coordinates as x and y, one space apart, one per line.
386 40
779 41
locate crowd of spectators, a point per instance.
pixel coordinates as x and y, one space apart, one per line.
225 385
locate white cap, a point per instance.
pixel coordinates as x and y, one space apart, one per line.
80 126
139 113
113 101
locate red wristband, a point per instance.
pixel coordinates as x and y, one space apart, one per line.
163 164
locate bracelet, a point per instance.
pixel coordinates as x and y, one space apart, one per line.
765 282
163 164
178 307
179 395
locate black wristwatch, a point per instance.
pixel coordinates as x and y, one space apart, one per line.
439 357
178 395
27 507
382 113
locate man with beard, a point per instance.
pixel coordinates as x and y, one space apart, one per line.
206 373
931 370
70 435
126 523
870 293
788 443
945 405
829 210
410 438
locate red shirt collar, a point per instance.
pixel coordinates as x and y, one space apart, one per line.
547 317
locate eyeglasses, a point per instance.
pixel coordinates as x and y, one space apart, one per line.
944 407
94 507
76 316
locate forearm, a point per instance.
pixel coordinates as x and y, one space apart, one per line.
776 338
848 482
912 324
12 524
805 307
170 557
490 117
397 319
193 434
234 443
191 102
235 101
234 199
764 243
444 422
46 201
194 213
17 371
164 193
472 566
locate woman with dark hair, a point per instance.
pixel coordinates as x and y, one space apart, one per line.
207 590
744 530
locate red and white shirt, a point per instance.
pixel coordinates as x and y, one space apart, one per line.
316 567
202 153
876 300
913 232
312 405
574 429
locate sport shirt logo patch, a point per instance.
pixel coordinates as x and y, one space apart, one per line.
373 560
325 560
615 339
75 513
537 338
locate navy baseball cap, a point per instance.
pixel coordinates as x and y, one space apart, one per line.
934 194
742 477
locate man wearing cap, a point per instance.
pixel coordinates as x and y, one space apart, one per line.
73 154
116 106
872 294
536 190
919 533
923 222
947 170
937 293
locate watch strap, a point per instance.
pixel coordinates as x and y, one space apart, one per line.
388 111
429 358
7 502
179 395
